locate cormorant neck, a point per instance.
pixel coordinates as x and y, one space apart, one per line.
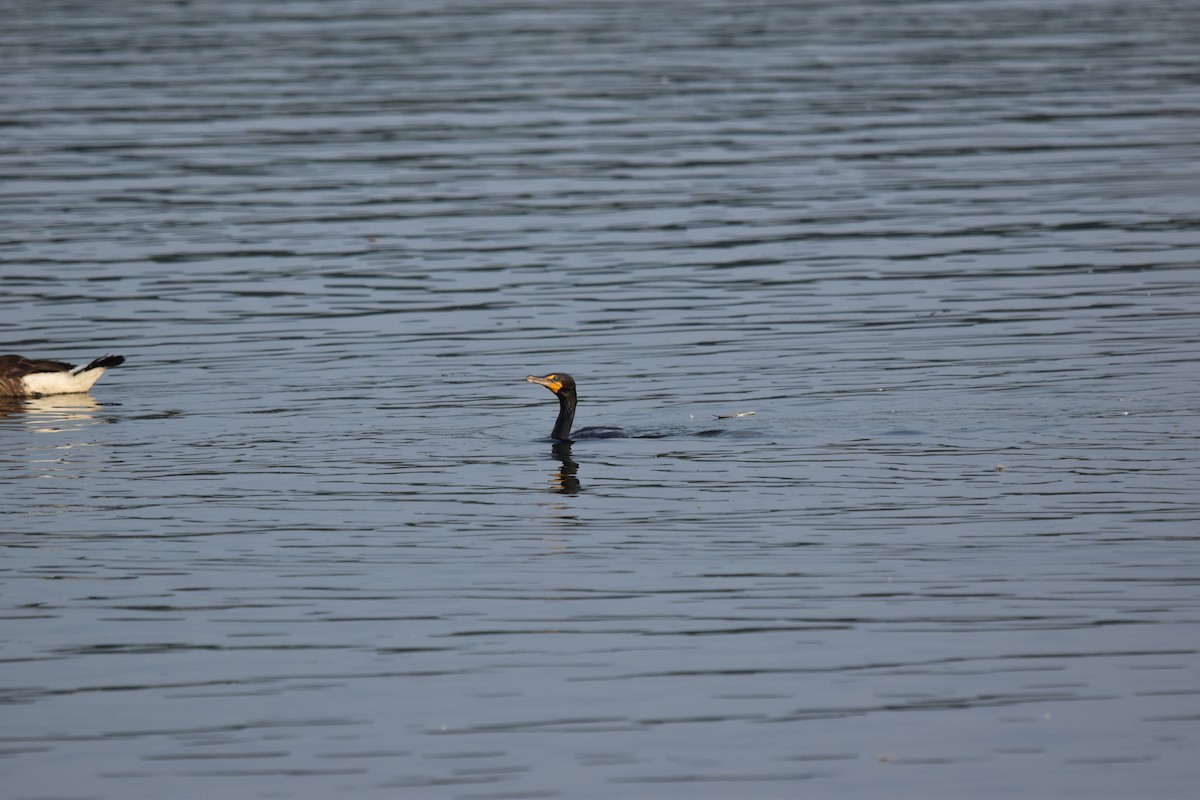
566 416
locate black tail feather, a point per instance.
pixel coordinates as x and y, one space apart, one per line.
103 361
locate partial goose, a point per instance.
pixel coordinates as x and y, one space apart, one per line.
24 377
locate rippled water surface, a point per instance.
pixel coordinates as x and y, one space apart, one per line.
312 540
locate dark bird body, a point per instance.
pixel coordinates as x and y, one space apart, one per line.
563 386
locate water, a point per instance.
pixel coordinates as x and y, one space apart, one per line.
311 540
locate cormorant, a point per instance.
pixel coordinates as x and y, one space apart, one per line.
563 386
23 377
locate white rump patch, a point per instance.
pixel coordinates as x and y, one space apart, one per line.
61 382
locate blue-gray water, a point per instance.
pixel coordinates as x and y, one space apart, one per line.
311 540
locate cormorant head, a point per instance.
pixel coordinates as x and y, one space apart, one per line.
560 383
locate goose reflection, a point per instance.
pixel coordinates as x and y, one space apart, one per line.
50 413
565 480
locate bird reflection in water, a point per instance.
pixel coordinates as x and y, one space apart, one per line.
52 413
566 479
